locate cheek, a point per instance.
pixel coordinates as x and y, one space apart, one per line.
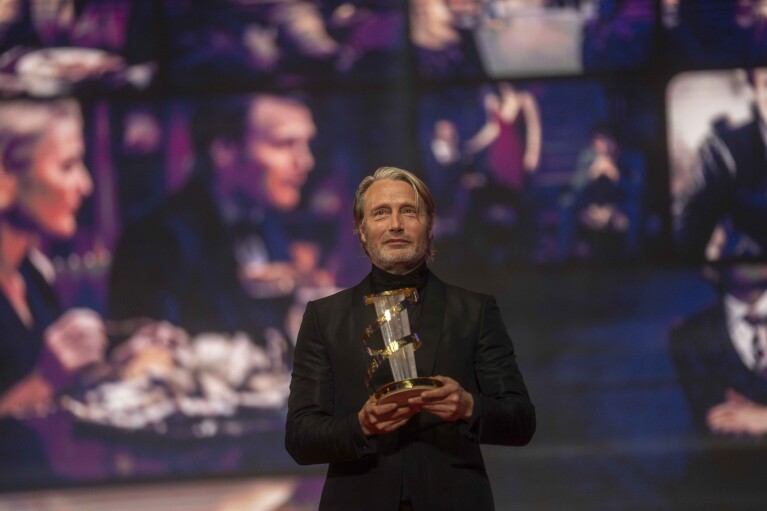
33 195
272 181
51 216
49 203
53 191
280 193
270 159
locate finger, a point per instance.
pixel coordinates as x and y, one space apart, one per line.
441 392
734 396
443 413
434 395
83 318
382 409
373 413
720 416
398 413
727 421
388 427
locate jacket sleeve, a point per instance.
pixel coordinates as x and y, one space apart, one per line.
503 412
314 433
703 203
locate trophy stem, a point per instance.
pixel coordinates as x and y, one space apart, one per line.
400 345
403 359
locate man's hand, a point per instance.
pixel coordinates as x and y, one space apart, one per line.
74 341
738 415
448 402
78 338
378 419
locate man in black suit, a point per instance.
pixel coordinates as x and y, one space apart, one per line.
722 212
425 454
720 354
213 258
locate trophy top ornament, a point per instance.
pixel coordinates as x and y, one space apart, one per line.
399 346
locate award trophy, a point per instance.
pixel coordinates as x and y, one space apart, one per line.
399 345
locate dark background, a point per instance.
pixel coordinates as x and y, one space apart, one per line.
591 333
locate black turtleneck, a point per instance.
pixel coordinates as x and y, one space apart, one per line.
381 280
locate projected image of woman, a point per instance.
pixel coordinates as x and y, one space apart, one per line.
43 182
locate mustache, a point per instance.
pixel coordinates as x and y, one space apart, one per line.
398 237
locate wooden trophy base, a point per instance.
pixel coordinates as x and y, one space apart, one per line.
400 391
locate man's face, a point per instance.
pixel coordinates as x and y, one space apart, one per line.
760 91
393 230
745 280
604 144
276 156
52 190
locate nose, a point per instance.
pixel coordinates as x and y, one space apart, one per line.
85 182
394 222
303 157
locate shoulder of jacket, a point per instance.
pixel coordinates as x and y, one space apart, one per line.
465 293
333 299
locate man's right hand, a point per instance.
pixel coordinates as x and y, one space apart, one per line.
378 419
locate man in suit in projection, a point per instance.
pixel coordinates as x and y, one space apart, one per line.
722 212
212 258
425 454
720 354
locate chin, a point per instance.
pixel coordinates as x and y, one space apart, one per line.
393 263
62 230
287 201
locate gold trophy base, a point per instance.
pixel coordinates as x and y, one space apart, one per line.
400 391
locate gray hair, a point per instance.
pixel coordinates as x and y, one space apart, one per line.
23 124
422 193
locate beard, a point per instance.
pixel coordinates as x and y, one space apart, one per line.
398 260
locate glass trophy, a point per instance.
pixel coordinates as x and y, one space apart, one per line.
399 345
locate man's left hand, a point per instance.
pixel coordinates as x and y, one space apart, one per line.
738 415
449 402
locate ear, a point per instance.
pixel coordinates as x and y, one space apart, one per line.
430 228
8 184
361 234
223 153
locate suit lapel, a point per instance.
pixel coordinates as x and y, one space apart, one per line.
360 311
362 315
430 325
749 382
731 360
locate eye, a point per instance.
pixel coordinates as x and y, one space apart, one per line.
284 143
70 165
409 211
380 212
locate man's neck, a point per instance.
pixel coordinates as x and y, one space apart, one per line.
383 280
14 245
235 208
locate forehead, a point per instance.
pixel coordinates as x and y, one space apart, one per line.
390 192
280 117
62 133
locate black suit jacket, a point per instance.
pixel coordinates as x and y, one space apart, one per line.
707 363
730 185
464 338
178 264
23 460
